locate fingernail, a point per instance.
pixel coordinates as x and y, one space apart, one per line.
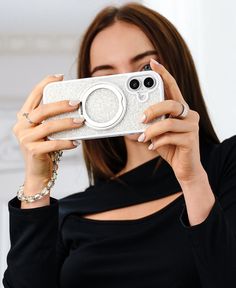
58 75
78 120
154 61
74 102
141 137
150 146
143 118
76 142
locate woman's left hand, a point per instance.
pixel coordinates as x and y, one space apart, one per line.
176 140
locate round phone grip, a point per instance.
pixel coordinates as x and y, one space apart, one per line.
120 109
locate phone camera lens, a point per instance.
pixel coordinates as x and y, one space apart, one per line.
134 84
148 82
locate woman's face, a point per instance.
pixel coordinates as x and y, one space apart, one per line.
120 48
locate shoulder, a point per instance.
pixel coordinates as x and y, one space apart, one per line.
227 143
224 153
221 165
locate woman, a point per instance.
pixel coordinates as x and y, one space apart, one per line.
173 223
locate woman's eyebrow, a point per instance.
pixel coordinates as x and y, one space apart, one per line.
134 59
142 55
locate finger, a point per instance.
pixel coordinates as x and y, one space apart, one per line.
164 126
171 107
35 96
37 148
47 128
44 111
171 87
184 140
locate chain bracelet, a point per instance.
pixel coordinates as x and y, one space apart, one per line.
56 157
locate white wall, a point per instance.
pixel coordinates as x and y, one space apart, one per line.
42 39
209 29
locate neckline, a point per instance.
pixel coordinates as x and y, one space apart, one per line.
138 168
141 220
138 185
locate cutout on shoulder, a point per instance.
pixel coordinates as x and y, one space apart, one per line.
134 212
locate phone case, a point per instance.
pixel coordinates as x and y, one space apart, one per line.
111 105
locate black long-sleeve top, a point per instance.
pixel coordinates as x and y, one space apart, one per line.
54 246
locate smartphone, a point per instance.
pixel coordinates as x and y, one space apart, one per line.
111 105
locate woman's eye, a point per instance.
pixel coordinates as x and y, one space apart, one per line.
147 67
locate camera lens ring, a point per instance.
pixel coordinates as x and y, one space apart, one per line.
134 84
148 82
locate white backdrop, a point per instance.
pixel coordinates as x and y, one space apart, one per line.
42 39
209 28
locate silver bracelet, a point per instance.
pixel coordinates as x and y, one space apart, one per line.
55 156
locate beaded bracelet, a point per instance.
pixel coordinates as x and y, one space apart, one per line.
55 156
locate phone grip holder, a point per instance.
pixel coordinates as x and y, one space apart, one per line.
112 96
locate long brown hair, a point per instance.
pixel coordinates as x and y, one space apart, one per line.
107 156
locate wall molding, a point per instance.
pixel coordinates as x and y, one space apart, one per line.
39 43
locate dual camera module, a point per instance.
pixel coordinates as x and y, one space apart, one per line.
135 83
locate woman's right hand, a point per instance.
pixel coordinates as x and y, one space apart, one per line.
32 138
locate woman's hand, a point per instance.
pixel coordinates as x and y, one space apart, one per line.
176 140
32 138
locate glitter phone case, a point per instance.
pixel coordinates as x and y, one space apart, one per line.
111 105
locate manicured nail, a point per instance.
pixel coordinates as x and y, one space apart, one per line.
74 102
78 120
141 137
155 61
58 75
144 117
76 142
150 147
